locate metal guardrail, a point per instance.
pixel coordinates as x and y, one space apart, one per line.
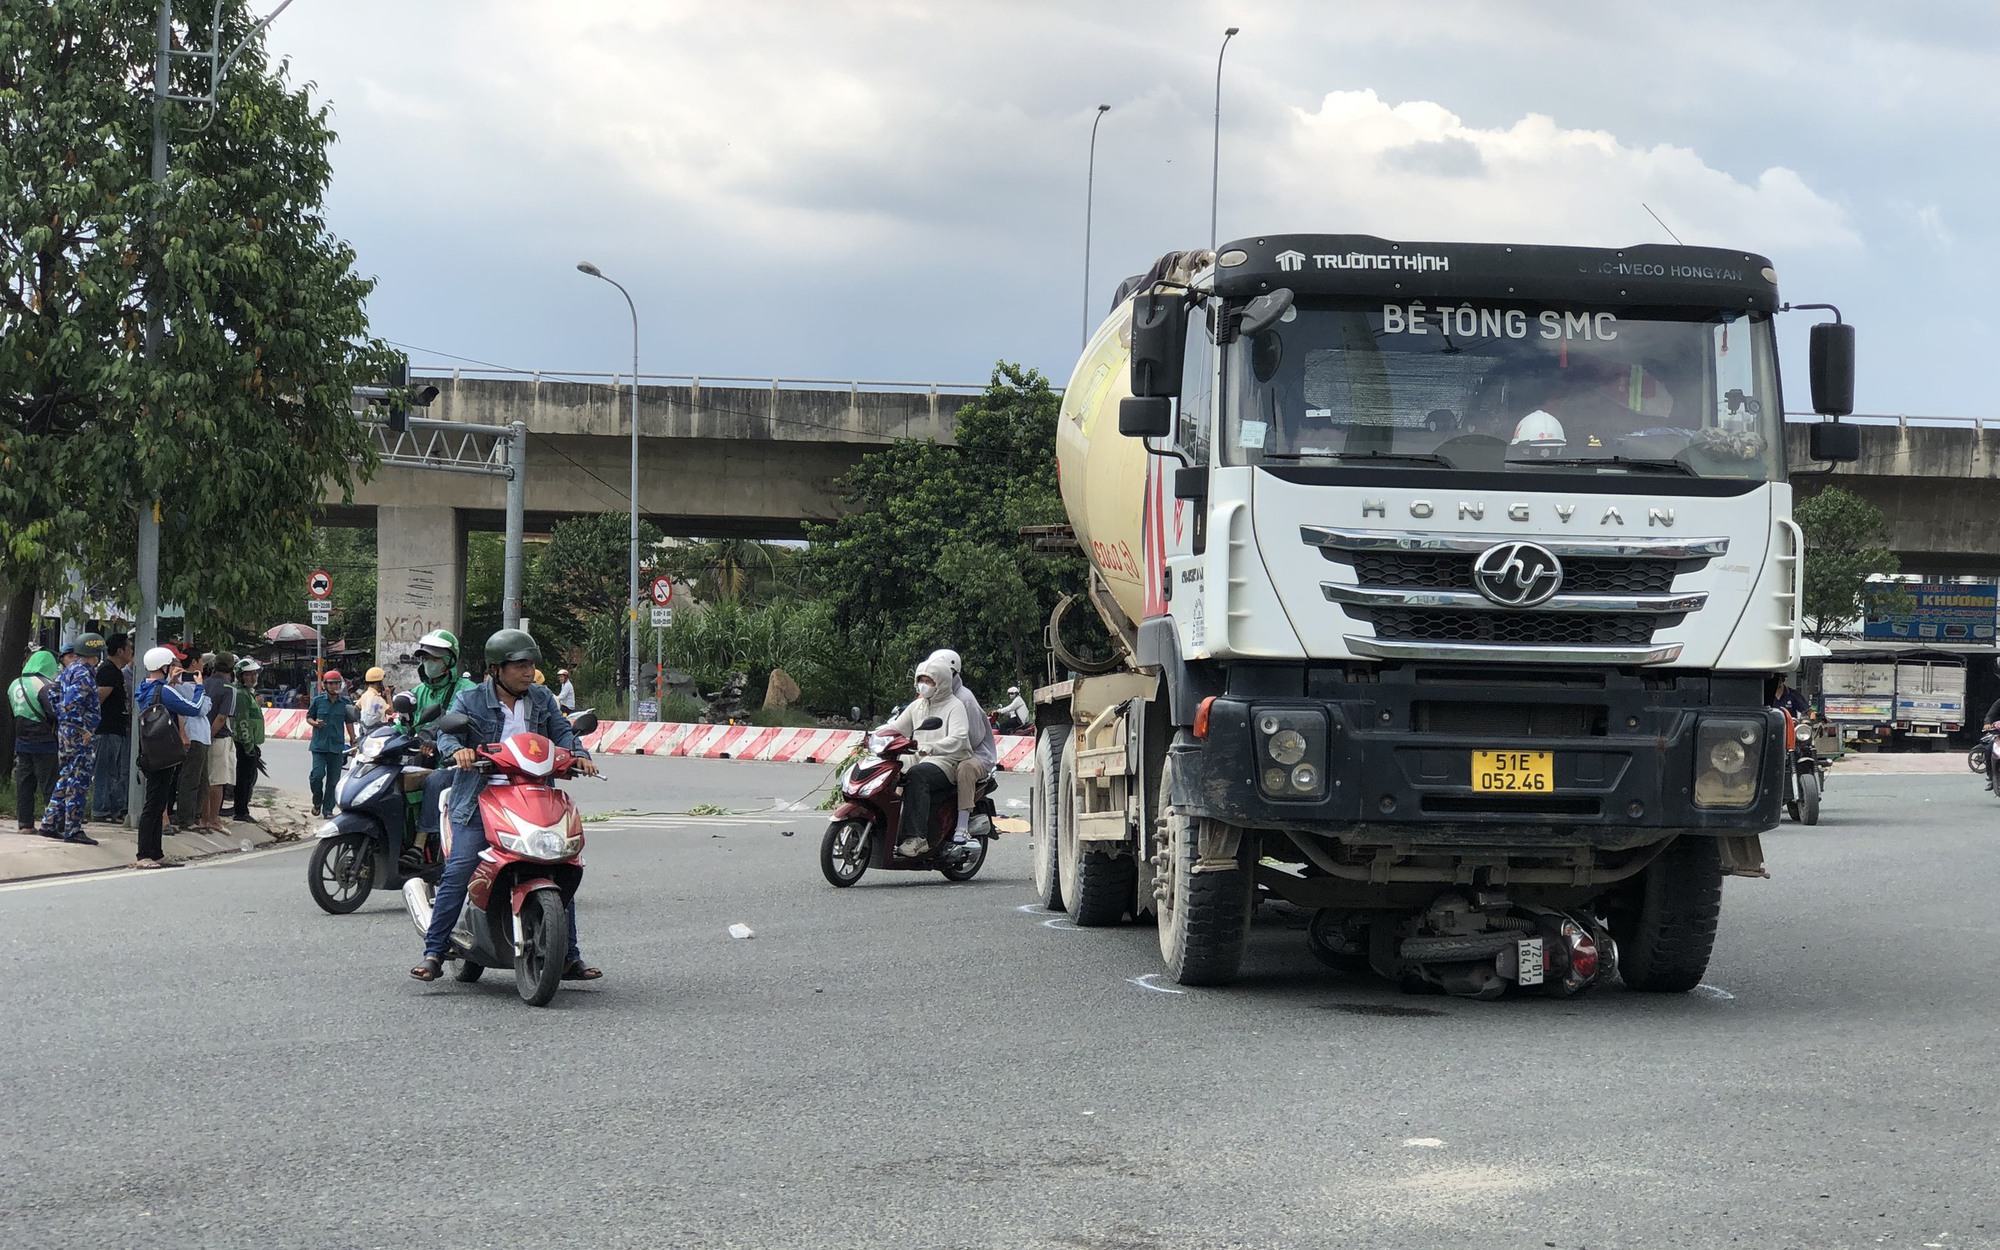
1900 420
697 380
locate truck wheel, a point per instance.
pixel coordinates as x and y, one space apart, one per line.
1097 885
1044 809
1666 930
1204 917
1337 940
1809 798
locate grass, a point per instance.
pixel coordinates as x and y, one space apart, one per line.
678 707
784 717
707 809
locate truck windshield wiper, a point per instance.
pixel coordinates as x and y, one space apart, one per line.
1630 463
1399 457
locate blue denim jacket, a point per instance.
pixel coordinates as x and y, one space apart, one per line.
482 707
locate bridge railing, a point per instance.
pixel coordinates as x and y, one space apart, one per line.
697 380
1899 419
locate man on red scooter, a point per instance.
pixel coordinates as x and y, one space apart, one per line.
939 752
508 702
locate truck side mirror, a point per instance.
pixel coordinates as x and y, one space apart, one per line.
1832 361
1146 417
1159 342
1832 441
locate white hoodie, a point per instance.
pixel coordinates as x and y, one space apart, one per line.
951 741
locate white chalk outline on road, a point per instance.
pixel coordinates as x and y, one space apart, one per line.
1714 991
1146 983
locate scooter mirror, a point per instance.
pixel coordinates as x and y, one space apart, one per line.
931 723
584 722
452 722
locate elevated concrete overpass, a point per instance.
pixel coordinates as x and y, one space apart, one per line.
730 457
1937 481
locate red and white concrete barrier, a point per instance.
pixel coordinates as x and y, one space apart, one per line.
706 742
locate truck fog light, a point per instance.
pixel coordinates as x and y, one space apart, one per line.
1274 781
1748 735
1727 757
1305 777
1288 747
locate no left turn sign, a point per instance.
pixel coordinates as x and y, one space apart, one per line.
320 584
663 591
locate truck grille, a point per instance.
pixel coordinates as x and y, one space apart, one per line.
1517 629
1439 570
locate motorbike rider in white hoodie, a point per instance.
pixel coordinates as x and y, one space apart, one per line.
939 752
985 751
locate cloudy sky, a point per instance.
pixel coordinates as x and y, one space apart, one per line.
895 189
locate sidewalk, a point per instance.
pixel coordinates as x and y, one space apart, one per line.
24 857
1932 763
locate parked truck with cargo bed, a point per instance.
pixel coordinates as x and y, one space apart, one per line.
1446 580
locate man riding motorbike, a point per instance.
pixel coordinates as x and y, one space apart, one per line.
438 684
985 751
507 703
940 751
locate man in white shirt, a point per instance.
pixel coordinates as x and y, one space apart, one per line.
566 695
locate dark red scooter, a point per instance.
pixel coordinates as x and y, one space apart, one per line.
863 833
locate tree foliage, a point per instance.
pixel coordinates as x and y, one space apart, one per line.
240 421
581 576
1846 545
929 553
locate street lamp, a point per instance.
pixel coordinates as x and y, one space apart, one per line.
632 586
1215 168
1089 194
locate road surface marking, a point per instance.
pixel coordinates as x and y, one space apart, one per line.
1146 983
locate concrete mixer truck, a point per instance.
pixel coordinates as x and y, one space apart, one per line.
1444 582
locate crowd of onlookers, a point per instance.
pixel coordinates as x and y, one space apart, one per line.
200 742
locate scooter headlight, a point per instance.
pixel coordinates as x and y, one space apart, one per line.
374 789
547 844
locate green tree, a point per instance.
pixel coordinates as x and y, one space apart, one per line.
929 552
1846 545
579 581
244 412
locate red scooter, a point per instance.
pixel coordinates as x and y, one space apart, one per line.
863 833
515 914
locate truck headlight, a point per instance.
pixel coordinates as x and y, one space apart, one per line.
1291 752
1728 751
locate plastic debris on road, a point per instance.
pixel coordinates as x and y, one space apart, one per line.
741 931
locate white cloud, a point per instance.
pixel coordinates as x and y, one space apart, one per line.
1415 169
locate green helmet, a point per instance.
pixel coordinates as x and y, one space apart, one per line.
437 657
509 645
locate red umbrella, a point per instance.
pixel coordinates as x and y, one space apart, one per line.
292 633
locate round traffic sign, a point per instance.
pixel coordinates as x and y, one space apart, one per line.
320 584
663 591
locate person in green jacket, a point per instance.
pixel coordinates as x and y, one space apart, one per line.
246 729
438 682
31 698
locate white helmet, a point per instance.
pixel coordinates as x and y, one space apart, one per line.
1539 427
950 660
157 659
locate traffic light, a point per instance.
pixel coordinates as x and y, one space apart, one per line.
399 411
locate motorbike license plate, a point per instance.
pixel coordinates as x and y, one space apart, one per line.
1529 962
1514 772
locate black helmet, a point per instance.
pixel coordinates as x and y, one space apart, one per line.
509 645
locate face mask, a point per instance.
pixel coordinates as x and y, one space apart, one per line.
434 670
924 689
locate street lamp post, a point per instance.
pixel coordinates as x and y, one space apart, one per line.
1089 196
1215 167
632 587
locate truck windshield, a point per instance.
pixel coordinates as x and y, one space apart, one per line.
1508 387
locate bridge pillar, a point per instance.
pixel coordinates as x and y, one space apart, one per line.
419 583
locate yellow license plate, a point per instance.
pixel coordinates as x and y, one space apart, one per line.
1514 772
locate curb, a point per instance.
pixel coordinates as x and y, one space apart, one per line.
35 858
708 742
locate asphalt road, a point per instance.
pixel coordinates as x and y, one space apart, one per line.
201 1058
